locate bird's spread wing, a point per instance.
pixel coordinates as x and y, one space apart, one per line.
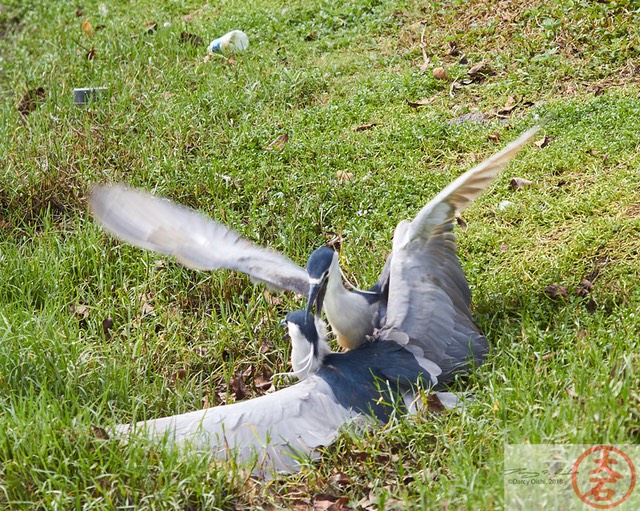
193 239
276 431
428 296
463 190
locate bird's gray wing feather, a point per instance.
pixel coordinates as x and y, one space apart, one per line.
428 304
463 190
275 431
193 239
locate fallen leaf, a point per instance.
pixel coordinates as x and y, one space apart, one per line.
100 433
434 404
572 392
555 290
90 55
107 324
461 223
238 387
509 107
421 102
476 69
30 100
278 143
263 382
340 479
591 306
151 27
266 346
87 28
584 287
327 502
364 127
519 182
81 311
343 176
271 298
187 37
494 137
440 73
549 355
180 374
544 142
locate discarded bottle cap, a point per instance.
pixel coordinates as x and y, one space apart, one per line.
83 95
236 40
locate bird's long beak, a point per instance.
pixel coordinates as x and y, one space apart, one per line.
316 296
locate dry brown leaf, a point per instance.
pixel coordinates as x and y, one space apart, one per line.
278 143
440 73
584 287
555 290
100 433
327 502
30 100
150 27
107 324
238 387
476 69
509 107
543 142
519 182
271 298
572 392
434 404
80 311
180 374
87 28
187 37
340 479
461 223
364 127
494 137
549 355
263 382
343 176
421 102
91 53
334 240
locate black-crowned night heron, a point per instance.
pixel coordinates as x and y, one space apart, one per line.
280 430
421 299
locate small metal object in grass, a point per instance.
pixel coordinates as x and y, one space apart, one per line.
82 96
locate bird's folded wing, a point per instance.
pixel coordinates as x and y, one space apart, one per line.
193 239
276 431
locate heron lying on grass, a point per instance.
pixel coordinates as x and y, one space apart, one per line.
279 431
421 299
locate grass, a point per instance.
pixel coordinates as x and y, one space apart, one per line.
562 369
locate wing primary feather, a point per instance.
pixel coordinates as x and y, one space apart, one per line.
196 241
